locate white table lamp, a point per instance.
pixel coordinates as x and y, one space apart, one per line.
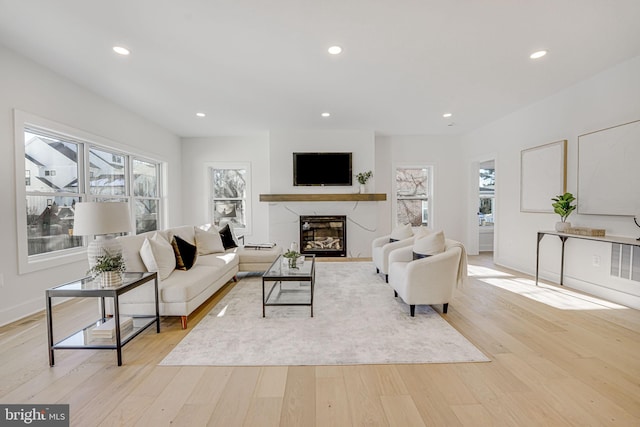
101 219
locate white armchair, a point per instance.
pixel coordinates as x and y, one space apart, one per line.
429 280
381 247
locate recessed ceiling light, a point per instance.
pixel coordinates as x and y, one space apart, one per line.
201 114
538 54
335 50
326 114
447 115
121 50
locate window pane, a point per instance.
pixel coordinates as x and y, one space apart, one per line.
229 184
50 224
106 172
230 212
412 182
146 215
51 165
145 179
411 212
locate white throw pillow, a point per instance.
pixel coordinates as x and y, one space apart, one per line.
421 231
208 242
431 244
157 255
401 232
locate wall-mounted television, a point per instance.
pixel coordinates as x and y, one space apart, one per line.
322 169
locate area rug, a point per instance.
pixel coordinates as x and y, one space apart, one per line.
356 320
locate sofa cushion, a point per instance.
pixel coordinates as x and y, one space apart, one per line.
428 245
183 286
185 253
226 235
220 260
131 246
208 242
186 232
157 255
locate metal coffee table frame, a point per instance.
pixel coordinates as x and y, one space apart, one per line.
277 274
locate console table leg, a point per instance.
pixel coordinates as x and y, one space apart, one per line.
540 236
563 239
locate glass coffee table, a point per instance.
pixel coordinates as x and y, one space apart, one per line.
284 286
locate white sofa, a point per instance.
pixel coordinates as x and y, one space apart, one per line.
181 292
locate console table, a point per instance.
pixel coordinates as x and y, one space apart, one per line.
565 236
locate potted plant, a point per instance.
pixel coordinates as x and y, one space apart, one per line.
362 178
562 205
109 267
292 258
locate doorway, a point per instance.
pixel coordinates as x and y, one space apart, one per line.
486 205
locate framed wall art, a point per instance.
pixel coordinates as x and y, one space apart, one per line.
543 175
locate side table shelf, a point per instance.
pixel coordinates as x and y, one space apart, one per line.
86 288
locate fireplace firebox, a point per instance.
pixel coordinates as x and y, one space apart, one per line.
324 235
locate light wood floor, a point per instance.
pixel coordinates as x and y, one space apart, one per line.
568 361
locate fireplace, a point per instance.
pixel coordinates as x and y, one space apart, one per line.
324 235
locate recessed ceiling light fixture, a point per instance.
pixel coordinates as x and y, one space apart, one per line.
201 115
325 114
121 50
335 50
538 54
445 115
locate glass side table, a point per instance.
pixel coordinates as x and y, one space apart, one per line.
86 338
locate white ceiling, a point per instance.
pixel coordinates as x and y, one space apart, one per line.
256 65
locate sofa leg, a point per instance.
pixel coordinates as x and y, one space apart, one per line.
412 309
445 307
183 321
235 278
395 294
377 270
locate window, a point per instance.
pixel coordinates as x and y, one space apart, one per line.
413 195
61 170
230 200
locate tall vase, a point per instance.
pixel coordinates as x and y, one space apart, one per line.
363 188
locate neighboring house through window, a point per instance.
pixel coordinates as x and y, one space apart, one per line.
229 185
62 169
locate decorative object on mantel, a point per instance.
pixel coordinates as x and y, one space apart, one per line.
586 231
110 268
635 219
362 178
563 207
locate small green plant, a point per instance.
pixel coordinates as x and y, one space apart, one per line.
363 177
563 205
292 257
108 262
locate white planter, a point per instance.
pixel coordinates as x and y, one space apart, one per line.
363 188
562 227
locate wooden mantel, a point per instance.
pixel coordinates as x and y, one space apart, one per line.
336 197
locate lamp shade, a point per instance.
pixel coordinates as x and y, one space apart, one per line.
100 218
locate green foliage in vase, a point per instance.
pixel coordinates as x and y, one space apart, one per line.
108 262
291 254
562 205
363 177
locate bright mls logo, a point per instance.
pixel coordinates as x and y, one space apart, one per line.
34 415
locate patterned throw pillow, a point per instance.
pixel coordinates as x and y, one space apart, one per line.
185 253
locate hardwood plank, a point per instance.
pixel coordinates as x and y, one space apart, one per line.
332 407
401 411
233 405
299 402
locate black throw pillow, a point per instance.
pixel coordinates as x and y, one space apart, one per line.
420 256
185 252
227 237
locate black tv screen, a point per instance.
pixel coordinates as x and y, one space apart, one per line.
322 169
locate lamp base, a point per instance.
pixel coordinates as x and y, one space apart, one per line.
100 246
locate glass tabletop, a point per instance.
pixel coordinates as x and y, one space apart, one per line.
89 283
280 268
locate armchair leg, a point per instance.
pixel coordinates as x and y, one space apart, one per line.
377 270
395 294
386 278
445 307
412 309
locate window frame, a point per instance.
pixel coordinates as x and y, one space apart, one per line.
430 188
24 121
209 167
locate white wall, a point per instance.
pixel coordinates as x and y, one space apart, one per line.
362 217
607 99
449 180
29 87
197 152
